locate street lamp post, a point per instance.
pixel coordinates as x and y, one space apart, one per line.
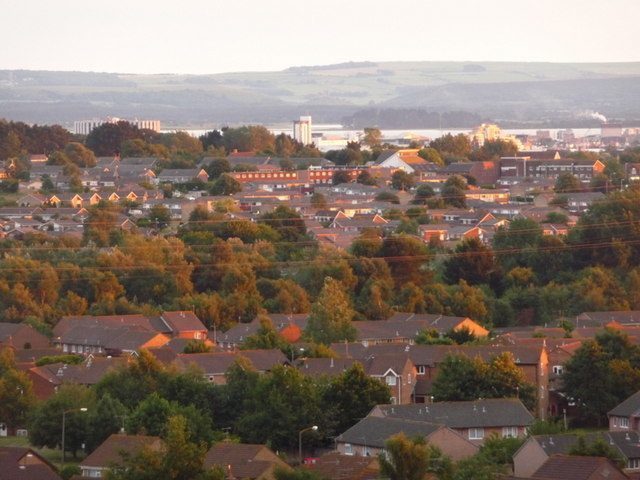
314 428
64 419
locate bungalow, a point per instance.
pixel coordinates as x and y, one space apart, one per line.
112 451
214 365
182 175
473 420
406 160
21 336
538 449
368 436
405 327
243 460
21 463
335 466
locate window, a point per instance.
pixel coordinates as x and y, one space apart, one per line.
348 450
391 380
509 432
615 421
476 433
634 463
557 369
624 422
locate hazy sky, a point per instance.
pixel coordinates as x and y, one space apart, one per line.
211 36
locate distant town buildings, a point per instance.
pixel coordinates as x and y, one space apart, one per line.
84 127
302 130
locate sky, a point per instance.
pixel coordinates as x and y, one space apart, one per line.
213 36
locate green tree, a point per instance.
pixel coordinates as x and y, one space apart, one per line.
45 423
407 257
372 137
16 392
401 180
587 381
423 193
597 448
217 167
567 182
453 191
267 337
103 419
472 261
457 145
178 459
80 155
225 185
341 177
352 395
431 155
277 406
412 459
331 315
494 149
160 216
318 200
196 346
365 178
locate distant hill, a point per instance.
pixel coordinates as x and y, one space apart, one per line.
512 92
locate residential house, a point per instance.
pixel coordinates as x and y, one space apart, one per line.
526 166
488 195
214 365
602 319
31 200
103 339
533 361
367 437
112 451
580 202
405 327
245 461
538 449
336 466
407 160
21 336
485 172
21 463
361 223
182 175
94 334
626 416
474 420
289 326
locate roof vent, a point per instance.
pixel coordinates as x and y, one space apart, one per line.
550 440
406 349
627 437
393 410
484 410
332 362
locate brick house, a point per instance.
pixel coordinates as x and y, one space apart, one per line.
626 416
368 436
473 420
19 463
243 460
537 449
21 336
111 451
